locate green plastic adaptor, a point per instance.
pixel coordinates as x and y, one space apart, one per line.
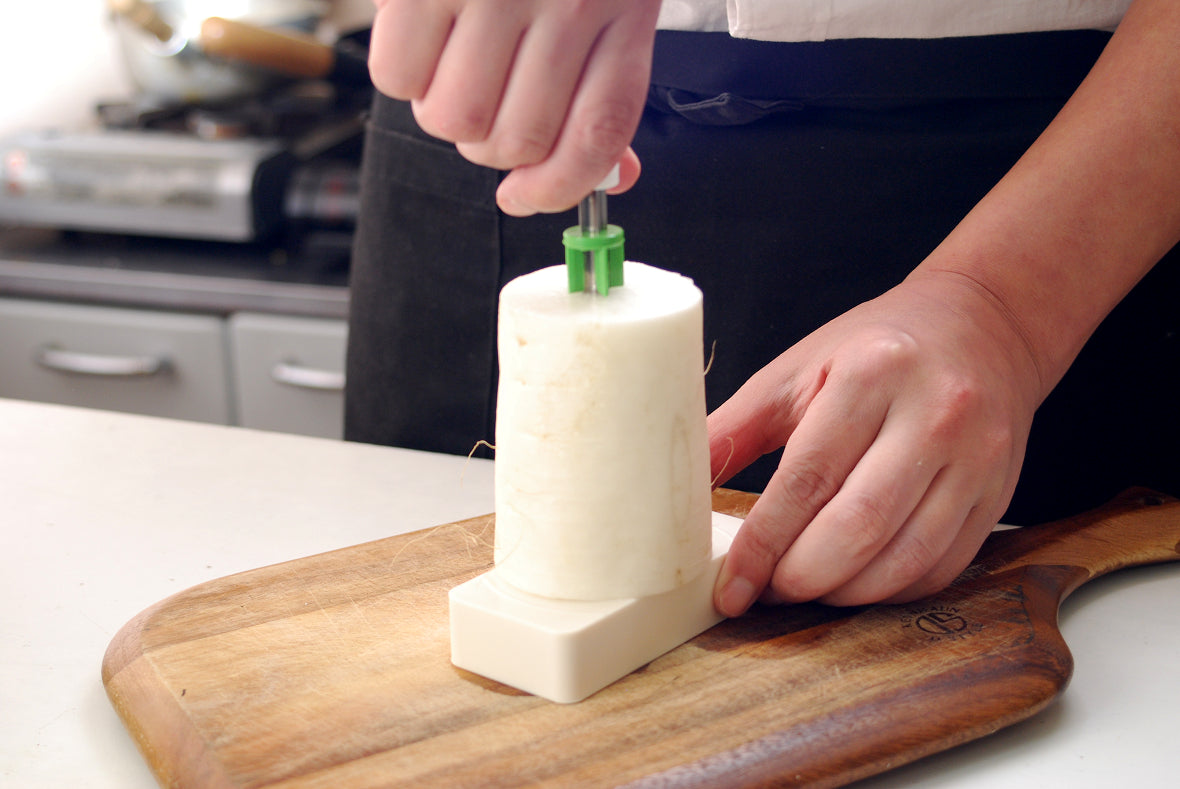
606 249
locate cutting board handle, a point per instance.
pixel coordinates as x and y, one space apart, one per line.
1138 527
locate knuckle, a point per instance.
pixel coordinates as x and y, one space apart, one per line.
883 354
392 79
895 347
794 583
962 393
910 560
789 587
844 597
504 151
469 123
529 146
762 542
935 581
865 525
425 116
907 571
606 131
391 86
805 486
965 408
959 400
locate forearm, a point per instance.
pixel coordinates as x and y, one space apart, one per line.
1091 206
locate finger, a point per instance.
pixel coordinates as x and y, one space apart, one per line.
740 432
918 546
629 169
536 96
978 524
879 495
963 548
407 41
464 94
943 534
838 427
598 127
757 419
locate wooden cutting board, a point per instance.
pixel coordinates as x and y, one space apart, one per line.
333 671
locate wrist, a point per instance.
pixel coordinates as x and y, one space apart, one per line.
991 319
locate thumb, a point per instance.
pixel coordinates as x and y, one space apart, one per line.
629 170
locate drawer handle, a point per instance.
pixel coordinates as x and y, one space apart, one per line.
98 364
292 374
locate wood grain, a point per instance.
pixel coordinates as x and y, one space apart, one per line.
333 671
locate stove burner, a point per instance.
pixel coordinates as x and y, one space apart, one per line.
289 112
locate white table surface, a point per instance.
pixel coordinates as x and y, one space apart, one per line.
105 514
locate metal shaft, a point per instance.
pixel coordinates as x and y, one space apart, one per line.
592 220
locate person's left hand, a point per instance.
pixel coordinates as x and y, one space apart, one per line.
904 423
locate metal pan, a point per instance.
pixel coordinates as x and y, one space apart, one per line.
161 45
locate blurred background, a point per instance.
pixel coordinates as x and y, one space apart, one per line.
60 58
175 222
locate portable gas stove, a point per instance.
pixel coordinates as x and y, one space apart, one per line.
239 173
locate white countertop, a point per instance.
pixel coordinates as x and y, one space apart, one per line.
105 514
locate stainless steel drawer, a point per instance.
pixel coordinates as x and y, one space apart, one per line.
141 361
289 373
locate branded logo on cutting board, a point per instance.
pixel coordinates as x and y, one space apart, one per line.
939 622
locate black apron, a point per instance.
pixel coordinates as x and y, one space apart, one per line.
790 182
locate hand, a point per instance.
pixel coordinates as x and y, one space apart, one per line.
550 89
904 423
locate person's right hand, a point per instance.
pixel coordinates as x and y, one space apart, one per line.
549 89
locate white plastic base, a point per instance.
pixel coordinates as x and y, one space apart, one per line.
565 650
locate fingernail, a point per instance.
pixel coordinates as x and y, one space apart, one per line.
736 596
513 208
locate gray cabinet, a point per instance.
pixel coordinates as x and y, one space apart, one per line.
271 372
289 373
156 363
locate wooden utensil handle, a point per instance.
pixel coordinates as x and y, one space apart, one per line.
140 13
285 53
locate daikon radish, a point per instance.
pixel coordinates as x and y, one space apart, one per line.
602 463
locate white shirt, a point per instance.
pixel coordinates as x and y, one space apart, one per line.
817 20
